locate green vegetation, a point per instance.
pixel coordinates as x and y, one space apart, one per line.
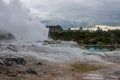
99 37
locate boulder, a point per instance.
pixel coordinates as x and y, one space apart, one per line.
31 71
10 61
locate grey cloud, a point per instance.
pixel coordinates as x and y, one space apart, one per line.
81 11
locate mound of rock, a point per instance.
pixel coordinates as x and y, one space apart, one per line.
10 61
4 36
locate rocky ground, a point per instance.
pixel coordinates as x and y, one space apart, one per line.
16 63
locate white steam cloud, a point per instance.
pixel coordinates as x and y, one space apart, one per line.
15 18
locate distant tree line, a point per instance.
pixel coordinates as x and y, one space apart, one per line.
86 37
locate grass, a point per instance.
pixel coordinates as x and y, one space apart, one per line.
84 67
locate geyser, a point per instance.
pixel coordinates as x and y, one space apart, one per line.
15 18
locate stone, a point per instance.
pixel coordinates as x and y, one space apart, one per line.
31 71
14 61
1 62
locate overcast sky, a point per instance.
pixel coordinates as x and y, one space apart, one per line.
76 12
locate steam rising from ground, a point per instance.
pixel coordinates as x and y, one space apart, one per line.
63 51
15 18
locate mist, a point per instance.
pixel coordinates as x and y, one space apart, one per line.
15 18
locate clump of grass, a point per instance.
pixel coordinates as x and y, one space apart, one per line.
84 67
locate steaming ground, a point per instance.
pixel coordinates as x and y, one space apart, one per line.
56 51
56 60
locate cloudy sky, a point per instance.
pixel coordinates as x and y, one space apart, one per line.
75 12
27 18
